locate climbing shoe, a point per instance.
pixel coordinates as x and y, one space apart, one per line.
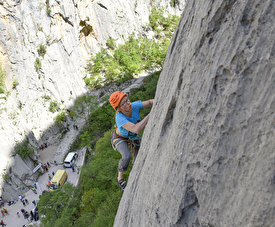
122 184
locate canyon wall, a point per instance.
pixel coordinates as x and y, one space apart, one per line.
69 32
207 155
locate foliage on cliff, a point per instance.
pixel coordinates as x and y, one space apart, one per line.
24 149
95 201
122 62
2 80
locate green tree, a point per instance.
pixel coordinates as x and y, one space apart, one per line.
83 107
60 207
24 149
60 118
54 106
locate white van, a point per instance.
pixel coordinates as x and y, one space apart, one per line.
70 159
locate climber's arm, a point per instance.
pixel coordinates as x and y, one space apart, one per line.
148 103
136 128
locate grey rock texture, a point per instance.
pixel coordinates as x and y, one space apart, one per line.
70 31
207 156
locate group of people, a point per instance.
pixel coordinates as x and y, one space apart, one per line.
45 167
32 214
43 146
25 202
50 178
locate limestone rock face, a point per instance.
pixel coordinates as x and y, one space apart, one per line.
68 32
207 155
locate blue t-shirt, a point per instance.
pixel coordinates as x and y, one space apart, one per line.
121 119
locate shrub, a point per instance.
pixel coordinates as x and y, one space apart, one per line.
37 64
5 177
14 83
54 106
41 50
48 8
46 97
60 118
24 149
2 80
111 43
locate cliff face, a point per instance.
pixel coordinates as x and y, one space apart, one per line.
68 32
207 156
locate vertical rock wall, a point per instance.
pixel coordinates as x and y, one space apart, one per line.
207 156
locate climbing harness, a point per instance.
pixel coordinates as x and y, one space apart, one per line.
117 138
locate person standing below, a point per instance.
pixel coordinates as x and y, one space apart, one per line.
6 211
73 168
2 223
128 125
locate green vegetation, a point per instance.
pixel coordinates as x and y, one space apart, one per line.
2 80
173 3
24 149
5 177
83 107
48 8
60 118
136 55
60 206
20 105
14 83
111 43
41 50
54 106
46 97
37 64
160 24
39 27
95 201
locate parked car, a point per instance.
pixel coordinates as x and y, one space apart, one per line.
70 159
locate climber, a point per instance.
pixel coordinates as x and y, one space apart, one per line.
128 125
